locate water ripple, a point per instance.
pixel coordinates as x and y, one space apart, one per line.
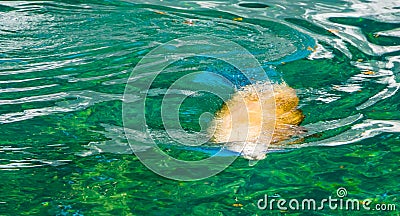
81 53
9 90
83 99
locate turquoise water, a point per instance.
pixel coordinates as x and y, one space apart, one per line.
63 71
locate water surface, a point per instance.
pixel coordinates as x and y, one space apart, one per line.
63 70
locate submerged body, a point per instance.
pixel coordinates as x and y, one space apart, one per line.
257 115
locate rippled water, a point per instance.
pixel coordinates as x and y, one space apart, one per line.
63 70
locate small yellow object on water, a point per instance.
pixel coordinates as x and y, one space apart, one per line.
257 114
311 49
238 19
189 22
368 72
160 12
237 205
333 30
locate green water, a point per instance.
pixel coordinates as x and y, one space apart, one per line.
63 70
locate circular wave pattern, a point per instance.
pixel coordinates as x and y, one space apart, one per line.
61 58
63 71
204 46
